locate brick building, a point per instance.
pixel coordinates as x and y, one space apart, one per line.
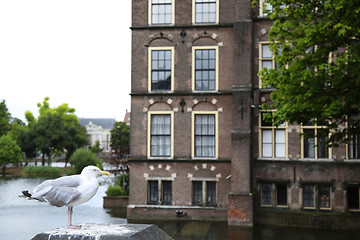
199 149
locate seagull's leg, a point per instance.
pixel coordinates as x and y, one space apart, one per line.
70 211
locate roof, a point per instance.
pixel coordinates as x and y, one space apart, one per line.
105 123
127 118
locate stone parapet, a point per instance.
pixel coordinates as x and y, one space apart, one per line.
106 232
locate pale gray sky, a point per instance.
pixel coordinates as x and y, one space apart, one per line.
72 51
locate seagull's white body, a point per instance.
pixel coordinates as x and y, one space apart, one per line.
69 190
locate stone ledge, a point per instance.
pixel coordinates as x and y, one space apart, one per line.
106 232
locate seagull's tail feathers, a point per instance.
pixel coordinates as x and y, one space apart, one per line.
25 194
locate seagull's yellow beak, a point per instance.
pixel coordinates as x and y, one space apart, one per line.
105 173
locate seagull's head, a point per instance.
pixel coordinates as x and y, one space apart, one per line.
93 171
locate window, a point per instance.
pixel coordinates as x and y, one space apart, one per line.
205 65
204 193
210 193
314 142
267 60
309 196
317 197
205 11
160 134
266 195
265 8
161 12
353 146
272 139
204 135
281 195
269 190
161 65
197 192
153 192
353 197
166 196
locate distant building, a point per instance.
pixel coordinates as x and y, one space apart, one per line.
127 118
98 129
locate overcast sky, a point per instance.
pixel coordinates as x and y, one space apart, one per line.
72 51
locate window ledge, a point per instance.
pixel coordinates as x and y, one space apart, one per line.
315 160
352 160
274 159
177 207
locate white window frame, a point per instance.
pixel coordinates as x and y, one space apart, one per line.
150 113
204 23
157 24
150 67
273 130
216 48
193 133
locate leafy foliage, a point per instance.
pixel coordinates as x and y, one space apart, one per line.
120 138
42 171
119 189
309 87
4 118
10 152
84 157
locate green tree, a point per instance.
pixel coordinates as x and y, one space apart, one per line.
56 130
50 134
96 148
10 152
120 139
309 87
84 157
5 118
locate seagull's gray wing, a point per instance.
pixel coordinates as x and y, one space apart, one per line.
58 192
60 196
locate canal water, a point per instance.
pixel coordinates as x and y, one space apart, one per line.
22 219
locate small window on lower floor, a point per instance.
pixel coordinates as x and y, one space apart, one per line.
353 198
210 193
204 193
274 195
281 195
316 197
166 192
153 192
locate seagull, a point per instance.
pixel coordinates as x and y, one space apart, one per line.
68 190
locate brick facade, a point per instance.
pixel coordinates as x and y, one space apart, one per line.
237 169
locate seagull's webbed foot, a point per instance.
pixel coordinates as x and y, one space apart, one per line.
74 226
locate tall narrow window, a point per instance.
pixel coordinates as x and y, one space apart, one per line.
205 11
205 135
272 138
211 193
166 192
353 198
153 192
205 68
354 146
281 195
324 195
160 69
161 12
197 192
160 139
266 195
309 196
